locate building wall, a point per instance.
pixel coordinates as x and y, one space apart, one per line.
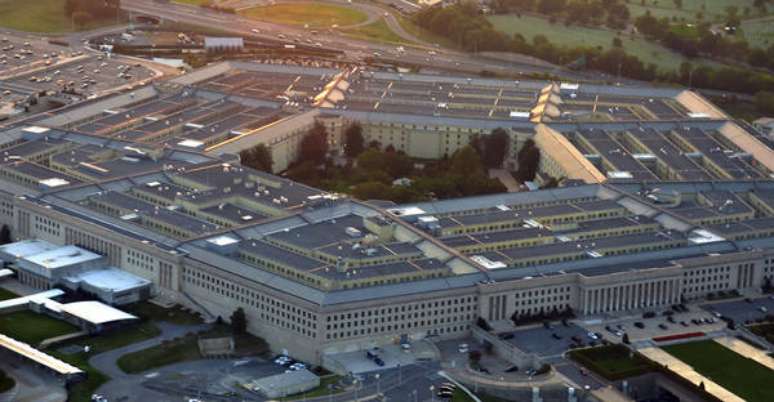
308 330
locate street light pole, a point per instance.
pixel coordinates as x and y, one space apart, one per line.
378 380
432 394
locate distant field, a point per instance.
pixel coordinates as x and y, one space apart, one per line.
572 36
744 377
759 33
377 31
39 16
710 8
193 2
317 15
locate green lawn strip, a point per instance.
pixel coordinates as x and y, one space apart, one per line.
82 391
320 390
168 352
41 16
186 348
6 383
613 362
744 377
316 15
378 31
765 331
7 294
152 312
33 328
423 34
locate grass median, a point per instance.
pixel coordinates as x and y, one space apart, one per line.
316 15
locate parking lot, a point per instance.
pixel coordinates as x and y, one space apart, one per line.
358 362
545 342
742 311
640 328
29 65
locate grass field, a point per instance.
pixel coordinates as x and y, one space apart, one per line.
6 383
317 15
561 35
744 377
377 31
193 2
613 362
712 9
759 33
764 330
33 328
40 16
7 294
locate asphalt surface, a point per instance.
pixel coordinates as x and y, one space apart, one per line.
742 311
354 49
540 340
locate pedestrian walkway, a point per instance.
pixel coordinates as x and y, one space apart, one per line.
684 370
746 350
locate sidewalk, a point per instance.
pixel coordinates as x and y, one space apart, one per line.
746 350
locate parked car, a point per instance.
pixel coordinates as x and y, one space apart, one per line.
639 325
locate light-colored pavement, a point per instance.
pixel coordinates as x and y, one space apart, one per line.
32 385
746 350
684 370
506 179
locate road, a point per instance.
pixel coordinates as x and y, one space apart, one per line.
354 49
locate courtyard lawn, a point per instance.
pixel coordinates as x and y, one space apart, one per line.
613 362
744 377
377 31
572 36
33 328
40 16
316 15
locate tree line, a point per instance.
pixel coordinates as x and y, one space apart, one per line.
464 24
613 14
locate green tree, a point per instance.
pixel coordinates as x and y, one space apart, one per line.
496 146
371 190
466 162
529 161
258 157
239 321
314 145
353 140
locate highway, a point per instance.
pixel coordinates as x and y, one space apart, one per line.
354 49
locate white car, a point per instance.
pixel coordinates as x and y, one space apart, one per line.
592 336
255 30
463 348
